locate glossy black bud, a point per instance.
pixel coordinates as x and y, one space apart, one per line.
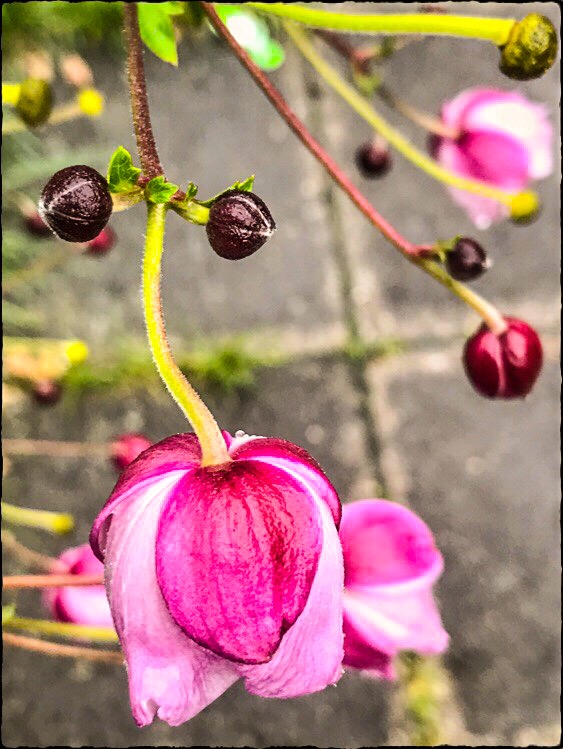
35 102
373 159
467 260
76 203
239 224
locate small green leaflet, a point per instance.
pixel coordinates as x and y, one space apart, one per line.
159 190
122 175
157 28
246 185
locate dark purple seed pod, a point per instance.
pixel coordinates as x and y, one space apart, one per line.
467 260
373 159
76 203
239 224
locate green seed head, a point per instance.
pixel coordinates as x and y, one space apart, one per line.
531 48
35 102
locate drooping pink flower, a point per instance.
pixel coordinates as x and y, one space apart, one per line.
390 566
125 448
222 572
81 605
503 139
505 365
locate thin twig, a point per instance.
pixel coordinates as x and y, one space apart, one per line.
401 243
146 145
29 557
57 649
13 582
55 449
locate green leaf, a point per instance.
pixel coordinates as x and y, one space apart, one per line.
253 34
159 190
191 191
122 175
246 185
157 29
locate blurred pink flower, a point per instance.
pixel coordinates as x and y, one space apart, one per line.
503 139
85 605
222 572
125 448
390 565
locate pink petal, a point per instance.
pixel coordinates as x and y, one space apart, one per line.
237 551
390 564
310 655
358 654
494 158
168 674
88 605
294 460
178 454
482 211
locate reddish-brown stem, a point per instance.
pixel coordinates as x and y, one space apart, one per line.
146 145
12 582
341 45
401 243
55 449
57 649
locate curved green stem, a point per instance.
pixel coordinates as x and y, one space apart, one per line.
494 30
366 111
55 522
213 448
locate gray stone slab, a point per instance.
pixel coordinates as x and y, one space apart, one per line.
391 295
49 702
485 476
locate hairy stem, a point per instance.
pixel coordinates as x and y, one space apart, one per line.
146 145
213 448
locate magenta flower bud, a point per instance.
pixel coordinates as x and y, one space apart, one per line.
390 567
86 605
373 159
239 224
222 572
47 392
103 243
467 260
76 203
503 139
126 448
506 365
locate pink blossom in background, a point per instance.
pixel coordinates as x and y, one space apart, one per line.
223 572
503 139
390 564
86 605
125 448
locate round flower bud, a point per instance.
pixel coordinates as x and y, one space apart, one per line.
35 101
91 102
239 224
467 260
126 448
531 48
47 392
103 243
524 208
505 365
76 203
373 159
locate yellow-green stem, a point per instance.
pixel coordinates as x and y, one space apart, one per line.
366 111
62 629
213 448
64 113
55 522
494 30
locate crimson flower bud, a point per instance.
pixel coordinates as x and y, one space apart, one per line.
373 159
505 365
47 392
467 260
103 243
126 448
76 203
239 224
